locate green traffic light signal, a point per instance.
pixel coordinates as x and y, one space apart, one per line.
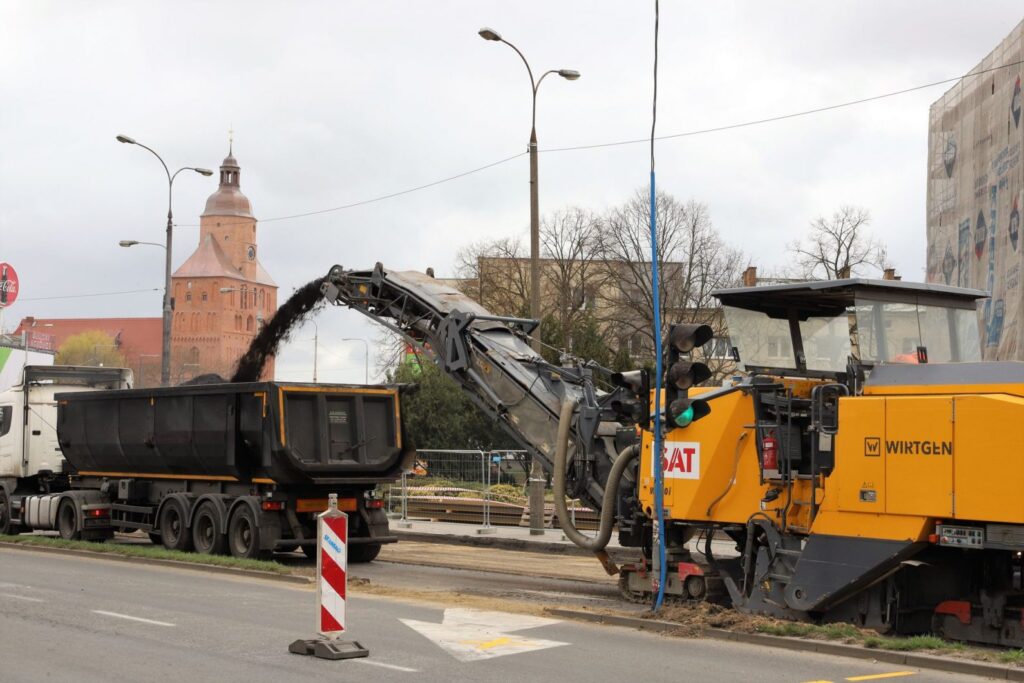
683 412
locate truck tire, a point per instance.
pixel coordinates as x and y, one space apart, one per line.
207 537
244 535
67 520
364 552
5 513
309 551
174 532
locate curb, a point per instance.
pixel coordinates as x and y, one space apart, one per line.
617 554
503 572
194 566
935 663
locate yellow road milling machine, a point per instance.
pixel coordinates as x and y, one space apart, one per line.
862 466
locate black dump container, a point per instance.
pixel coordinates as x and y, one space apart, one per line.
260 431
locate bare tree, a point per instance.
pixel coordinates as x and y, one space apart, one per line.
571 272
840 246
693 261
496 274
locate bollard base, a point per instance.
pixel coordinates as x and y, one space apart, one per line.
487 530
329 649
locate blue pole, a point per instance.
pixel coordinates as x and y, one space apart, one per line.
657 450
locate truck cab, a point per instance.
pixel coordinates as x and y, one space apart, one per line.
30 457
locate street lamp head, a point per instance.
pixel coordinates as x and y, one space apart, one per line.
208 172
125 139
489 34
569 74
128 243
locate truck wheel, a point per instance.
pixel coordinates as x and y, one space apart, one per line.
173 528
244 535
67 521
5 513
309 551
206 534
364 552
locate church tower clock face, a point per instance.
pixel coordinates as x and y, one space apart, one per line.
251 252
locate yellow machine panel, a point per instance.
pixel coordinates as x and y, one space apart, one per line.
988 462
710 465
918 447
858 482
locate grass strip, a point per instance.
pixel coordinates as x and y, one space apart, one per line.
853 635
150 552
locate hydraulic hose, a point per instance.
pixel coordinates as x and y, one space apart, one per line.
607 519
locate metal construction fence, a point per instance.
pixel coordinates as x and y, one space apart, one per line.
485 488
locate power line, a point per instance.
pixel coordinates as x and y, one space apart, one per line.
647 140
82 296
382 197
783 117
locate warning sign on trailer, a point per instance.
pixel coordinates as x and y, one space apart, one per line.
681 460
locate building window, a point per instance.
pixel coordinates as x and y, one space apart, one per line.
193 355
203 295
718 347
188 296
248 324
190 284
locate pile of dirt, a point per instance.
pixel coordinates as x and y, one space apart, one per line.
693 618
208 378
305 301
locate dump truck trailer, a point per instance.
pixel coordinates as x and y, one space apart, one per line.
241 468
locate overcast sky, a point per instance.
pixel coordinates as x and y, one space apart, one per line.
337 102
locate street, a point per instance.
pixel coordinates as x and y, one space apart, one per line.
66 618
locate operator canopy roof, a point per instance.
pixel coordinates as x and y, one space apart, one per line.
828 298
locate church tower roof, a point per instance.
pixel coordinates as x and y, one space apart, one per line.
228 200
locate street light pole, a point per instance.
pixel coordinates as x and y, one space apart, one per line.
165 363
366 356
570 75
316 346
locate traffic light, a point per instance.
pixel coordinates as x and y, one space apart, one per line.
681 374
637 406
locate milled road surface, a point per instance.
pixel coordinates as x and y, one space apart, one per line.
66 618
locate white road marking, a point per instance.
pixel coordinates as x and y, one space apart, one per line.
393 667
471 635
131 618
20 597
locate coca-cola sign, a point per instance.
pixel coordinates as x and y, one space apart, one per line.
8 285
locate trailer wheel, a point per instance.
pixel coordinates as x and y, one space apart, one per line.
364 552
67 521
206 536
5 513
244 535
173 528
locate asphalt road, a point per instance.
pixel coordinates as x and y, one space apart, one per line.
66 618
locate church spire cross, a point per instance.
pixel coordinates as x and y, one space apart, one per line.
231 140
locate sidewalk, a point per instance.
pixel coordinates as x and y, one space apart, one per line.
519 538
504 537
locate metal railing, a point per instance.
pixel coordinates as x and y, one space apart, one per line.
459 472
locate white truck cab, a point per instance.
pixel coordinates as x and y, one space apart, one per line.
30 457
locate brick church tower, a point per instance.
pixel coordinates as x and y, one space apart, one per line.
212 328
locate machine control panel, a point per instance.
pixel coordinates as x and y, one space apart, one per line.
960 536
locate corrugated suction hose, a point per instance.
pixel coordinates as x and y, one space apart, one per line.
611 487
